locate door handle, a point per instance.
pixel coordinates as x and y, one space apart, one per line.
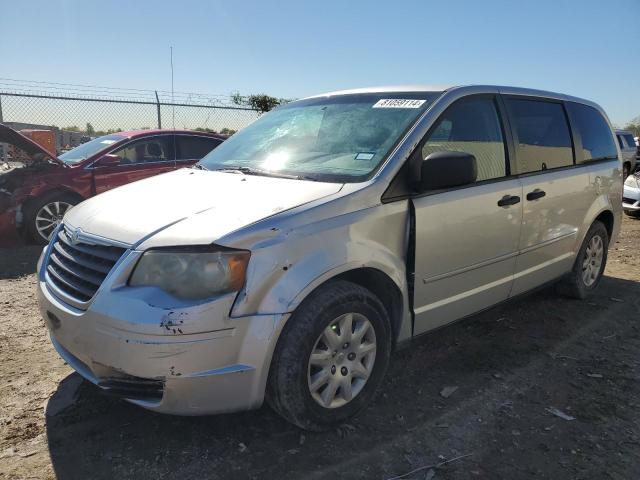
508 200
536 194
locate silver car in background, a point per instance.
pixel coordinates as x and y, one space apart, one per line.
628 150
631 195
294 258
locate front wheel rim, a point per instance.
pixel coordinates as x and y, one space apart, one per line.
592 261
342 360
49 217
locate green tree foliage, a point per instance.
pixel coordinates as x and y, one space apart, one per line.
260 102
89 129
633 127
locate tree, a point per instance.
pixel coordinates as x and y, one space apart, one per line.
89 129
227 131
634 128
260 102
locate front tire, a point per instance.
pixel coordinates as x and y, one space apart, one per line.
589 265
45 214
331 357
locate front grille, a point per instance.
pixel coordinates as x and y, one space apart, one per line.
79 268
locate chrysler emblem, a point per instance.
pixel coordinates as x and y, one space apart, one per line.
75 235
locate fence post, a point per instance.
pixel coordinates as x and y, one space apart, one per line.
1 119
158 106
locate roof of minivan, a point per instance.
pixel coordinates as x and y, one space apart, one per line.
390 89
441 88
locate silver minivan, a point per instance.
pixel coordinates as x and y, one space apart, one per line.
294 258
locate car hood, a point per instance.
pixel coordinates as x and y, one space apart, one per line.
31 148
199 206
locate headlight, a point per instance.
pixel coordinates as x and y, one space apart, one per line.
192 274
632 181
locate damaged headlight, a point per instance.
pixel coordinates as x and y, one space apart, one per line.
192 273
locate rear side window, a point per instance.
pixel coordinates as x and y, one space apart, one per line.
471 126
597 138
631 143
194 148
541 135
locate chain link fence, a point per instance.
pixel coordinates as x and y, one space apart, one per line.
96 116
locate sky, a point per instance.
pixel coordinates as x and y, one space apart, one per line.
586 48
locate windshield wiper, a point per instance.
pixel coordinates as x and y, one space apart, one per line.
264 173
200 167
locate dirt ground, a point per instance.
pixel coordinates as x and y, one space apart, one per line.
512 365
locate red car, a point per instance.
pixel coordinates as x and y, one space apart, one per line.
36 193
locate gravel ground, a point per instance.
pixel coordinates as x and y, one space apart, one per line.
511 365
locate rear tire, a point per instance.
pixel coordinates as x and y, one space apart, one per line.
589 265
331 357
626 170
44 214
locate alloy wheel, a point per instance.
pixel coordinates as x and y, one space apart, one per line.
592 261
49 217
342 360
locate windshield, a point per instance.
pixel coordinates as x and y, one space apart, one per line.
86 150
343 138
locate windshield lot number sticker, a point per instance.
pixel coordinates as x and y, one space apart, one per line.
365 156
398 103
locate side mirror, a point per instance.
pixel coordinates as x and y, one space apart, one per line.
108 160
445 170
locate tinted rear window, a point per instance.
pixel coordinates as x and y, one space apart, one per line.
194 148
597 138
631 143
542 133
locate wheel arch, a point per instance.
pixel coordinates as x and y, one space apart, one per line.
607 218
51 193
382 286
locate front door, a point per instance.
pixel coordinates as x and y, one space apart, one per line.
466 238
139 159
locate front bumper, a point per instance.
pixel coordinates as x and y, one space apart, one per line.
8 228
631 199
188 360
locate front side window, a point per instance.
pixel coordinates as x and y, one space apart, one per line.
597 138
541 135
471 126
148 150
620 142
340 138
